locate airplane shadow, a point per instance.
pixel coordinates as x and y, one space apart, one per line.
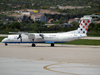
48 46
67 46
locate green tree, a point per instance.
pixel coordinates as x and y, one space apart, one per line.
98 18
38 26
91 27
75 25
16 25
97 27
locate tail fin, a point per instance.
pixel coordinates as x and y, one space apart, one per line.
83 27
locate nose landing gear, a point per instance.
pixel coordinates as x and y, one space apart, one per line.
6 44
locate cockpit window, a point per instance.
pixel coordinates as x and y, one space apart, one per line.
7 37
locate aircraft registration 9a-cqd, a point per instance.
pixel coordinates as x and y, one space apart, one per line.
24 37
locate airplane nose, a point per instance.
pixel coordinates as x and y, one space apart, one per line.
4 40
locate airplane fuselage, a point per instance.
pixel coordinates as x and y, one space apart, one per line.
47 38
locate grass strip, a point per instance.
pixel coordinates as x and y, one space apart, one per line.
84 42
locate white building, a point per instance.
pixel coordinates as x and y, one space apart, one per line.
93 16
40 17
25 13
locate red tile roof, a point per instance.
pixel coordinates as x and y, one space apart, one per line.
98 21
50 20
71 19
38 15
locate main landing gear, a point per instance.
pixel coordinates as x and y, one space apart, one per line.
52 44
6 44
33 45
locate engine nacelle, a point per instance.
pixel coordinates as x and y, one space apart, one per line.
35 36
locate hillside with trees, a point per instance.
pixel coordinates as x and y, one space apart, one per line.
8 5
38 4
31 26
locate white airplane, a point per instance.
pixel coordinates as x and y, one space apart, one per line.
50 37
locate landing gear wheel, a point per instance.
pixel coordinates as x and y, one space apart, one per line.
52 44
6 44
33 45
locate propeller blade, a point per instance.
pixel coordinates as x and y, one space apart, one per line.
41 35
19 36
21 39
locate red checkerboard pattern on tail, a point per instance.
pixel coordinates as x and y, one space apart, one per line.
83 27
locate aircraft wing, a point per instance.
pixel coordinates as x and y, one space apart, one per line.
31 35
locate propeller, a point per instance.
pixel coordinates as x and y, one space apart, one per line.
20 35
41 35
